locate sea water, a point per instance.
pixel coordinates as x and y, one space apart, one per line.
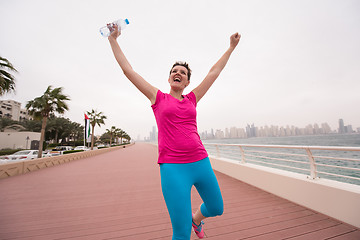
337 140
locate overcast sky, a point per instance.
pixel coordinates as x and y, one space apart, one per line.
297 63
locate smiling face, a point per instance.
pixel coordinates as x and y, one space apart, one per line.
178 78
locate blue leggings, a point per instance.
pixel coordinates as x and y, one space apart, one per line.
177 181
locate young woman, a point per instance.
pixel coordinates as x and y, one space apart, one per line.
183 159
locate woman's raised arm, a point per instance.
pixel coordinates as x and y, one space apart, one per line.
214 72
140 83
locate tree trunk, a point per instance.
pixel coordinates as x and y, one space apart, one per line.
42 136
56 136
92 137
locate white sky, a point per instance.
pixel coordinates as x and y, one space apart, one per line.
297 63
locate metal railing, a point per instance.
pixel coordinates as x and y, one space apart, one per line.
336 163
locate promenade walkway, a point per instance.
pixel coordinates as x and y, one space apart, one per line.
117 195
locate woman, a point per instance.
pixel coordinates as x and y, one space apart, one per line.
183 159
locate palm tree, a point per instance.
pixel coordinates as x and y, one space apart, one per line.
117 134
7 81
53 100
95 118
55 126
123 135
111 132
105 137
76 131
127 137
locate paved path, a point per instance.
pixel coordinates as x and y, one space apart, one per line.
117 195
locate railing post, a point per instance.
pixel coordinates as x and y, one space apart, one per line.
242 154
312 164
217 151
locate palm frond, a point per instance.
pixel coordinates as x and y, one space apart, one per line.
4 63
7 80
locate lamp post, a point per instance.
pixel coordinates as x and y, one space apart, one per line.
27 140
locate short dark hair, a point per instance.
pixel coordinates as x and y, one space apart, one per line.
184 64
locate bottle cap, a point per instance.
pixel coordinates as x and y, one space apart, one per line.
126 21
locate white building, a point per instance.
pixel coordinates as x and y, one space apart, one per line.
18 140
12 109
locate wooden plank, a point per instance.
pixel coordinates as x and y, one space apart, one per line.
354 235
338 230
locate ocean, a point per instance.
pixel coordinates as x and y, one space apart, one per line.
338 140
345 140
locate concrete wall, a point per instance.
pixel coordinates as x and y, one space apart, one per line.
13 169
15 140
335 199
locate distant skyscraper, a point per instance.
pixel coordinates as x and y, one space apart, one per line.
341 126
326 128
153 134
251 131
348 129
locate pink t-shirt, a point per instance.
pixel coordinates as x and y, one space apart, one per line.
178 138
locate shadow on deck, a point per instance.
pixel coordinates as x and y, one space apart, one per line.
117 195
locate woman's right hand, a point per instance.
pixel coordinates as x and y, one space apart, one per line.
116 33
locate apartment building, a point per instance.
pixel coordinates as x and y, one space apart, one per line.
12 109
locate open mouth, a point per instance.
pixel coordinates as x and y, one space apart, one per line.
177 79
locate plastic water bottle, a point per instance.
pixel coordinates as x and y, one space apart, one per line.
107 30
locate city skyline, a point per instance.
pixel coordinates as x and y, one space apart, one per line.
277 131
12 109
268 131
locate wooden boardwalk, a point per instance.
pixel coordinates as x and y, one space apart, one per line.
117 195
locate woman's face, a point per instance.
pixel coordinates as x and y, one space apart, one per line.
178 78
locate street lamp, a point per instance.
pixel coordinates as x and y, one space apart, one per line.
27 140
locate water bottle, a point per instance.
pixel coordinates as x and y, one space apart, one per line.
107 30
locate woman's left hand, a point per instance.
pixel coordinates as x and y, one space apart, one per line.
234 40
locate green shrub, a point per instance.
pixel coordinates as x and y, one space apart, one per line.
8 151
72 151
53 145
73 143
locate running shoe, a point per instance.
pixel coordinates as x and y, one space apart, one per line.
198 229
